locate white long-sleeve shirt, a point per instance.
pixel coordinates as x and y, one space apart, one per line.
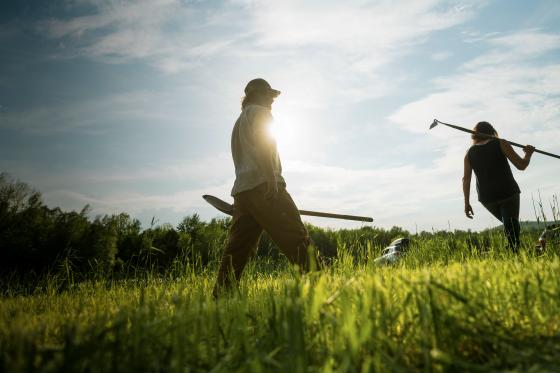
251 131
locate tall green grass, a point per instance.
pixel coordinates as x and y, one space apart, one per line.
444 307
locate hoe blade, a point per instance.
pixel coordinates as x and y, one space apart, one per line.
434 123
220 205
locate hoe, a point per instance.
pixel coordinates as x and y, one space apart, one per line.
483 135
226 208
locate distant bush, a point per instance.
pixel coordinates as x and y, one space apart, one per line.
37 239
34 237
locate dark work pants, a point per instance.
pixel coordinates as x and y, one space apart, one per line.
507 211
253 213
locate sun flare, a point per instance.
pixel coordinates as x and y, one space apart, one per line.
291 132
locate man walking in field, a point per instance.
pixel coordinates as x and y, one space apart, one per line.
261 201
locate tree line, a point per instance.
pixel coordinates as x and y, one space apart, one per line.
35 238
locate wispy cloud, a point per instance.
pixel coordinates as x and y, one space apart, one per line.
515 48
355 27
173 35
353 43
168 34
508 90
319 187
98 115
119 189
207 170
164 208
441 56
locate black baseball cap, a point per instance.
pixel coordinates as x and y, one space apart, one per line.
260 85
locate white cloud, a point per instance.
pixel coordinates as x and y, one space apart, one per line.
117 190
354 26
168 34
345 50
101 114
209 169
441 56
167 208
391 195
385 194
173 35
509 92
515 48
42 118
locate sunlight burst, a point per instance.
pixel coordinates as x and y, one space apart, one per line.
291 132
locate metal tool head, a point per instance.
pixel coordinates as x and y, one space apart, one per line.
434 123
220 205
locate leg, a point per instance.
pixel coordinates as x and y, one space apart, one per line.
243 239
288 231
509 210
280 218
494 209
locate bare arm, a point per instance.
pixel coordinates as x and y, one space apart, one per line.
514 158
467 175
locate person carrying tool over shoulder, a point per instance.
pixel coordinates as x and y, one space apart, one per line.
261 201
497 189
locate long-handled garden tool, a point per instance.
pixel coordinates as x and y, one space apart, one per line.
227 208
483 135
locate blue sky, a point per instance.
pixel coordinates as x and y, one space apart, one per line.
129 105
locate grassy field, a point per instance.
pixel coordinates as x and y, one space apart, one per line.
443 308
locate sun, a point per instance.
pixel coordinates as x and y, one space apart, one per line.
291 133
282 133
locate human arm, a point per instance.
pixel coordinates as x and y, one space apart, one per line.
514 158
467 175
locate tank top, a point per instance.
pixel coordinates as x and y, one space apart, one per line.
494 180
